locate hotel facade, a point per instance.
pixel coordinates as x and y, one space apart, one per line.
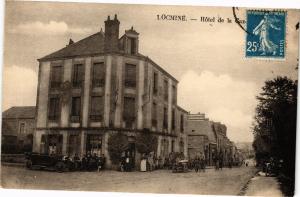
102 85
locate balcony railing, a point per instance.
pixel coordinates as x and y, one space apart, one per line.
75 118
98 82
130 83
53 117
96 118
77 84
55 84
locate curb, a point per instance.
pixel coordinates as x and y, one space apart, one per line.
242 192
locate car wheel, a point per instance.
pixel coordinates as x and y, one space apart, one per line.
60 167
29 164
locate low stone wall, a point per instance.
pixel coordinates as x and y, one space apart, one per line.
13 158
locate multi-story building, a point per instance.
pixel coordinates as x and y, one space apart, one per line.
208 137
18 125
102 84
201 137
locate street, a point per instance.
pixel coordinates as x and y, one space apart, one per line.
225 182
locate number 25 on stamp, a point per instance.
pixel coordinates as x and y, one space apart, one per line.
266 34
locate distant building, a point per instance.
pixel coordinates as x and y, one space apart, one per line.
100 85
201 137
18 125
208 137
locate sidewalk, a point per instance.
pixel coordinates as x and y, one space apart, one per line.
261 185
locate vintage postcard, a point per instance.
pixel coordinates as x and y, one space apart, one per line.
149 98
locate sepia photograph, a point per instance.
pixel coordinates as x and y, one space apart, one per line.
160 99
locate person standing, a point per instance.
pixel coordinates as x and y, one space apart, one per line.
197 163
143 164
202 161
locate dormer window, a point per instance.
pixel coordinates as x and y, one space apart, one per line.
131 41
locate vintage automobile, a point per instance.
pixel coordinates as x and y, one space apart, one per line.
180 166
58 163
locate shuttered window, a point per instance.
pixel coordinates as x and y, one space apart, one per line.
181 123
174 95
166 92
76 109
54 110
130 75
154 115
78 75
98 75
97 108
173 119
165 120
155 83
129 111
56 76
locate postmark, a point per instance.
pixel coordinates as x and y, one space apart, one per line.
266 34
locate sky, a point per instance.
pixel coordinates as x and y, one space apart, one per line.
208 59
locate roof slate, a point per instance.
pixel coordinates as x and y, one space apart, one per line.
20 112
93 44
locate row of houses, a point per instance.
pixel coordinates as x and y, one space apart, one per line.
209 137
103 85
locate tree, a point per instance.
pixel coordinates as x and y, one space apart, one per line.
275 123
146 142
117 143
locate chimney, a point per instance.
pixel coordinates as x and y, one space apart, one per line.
111 41
70 42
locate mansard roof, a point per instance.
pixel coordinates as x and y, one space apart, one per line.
90 45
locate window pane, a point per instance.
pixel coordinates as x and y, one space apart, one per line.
165 121
129 111
53 112
97 108
166 90
130 75
78 75
76 106
56 76
154 115
155 78
98 74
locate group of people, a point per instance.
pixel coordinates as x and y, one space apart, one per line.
88 162
199 162
218 160
150 161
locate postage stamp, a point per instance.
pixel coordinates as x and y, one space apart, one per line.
266 34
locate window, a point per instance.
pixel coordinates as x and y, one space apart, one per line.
97 108
56 76
129 111
78 75
130 75
98 75
165 121
173 119
54 109
76 109
182 123
173 146
154 115
166 96
174 95
155 83
132 42
22 127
